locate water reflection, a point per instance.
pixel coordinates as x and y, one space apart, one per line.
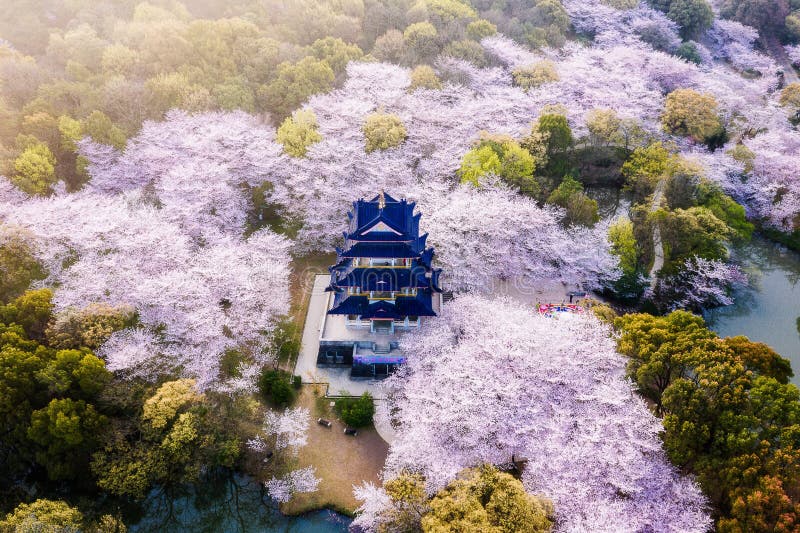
768 310
229 503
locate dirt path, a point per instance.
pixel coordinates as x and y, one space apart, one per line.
658 246
778 53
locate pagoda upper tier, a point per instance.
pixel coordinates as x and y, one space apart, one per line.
384 269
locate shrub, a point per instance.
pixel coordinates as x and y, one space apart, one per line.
298 132
297 382
423 77
275 387
356 412
534 75
689 52
383 131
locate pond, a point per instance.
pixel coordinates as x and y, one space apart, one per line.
769 310
232 503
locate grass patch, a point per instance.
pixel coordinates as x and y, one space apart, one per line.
301 283
340 461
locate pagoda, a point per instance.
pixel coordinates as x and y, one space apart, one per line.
383 279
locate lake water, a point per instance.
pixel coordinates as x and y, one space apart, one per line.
768 311
232 503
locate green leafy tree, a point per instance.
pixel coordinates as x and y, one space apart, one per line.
356 412
766 15
409 502
790 100
43 516
383 131
693 231
275 387
688 51
170 398
294 83
535 75
336 53
559 134
479 29
504 157
661 349
605 127
88 327
421 41
234 94
179 436
18 266
693 16
298 132
31 310
74 373
484 500
692 114
479 162
467 50
623 245
65 433
760 358
34 170
645 167
725 208
580 208
390 46
423 77
100 128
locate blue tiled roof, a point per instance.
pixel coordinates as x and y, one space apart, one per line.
369 249
380 279
384 228
398 216
421 305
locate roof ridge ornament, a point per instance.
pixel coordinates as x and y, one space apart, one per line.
381 201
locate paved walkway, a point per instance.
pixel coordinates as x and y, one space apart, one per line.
338 379
658 246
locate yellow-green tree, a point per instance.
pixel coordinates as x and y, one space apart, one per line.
484 500
535 75
18 266
604 127
34 169
478 29
421 41
295 82
692 114
423 77
161 408
298 132
790 99
43 516
383 131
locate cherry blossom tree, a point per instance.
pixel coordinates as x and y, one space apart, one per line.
297 481
550 389
700 284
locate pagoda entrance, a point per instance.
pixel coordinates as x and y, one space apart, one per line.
383 326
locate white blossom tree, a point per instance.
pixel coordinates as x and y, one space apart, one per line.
551 390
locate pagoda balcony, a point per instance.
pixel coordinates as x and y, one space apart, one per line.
381 262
